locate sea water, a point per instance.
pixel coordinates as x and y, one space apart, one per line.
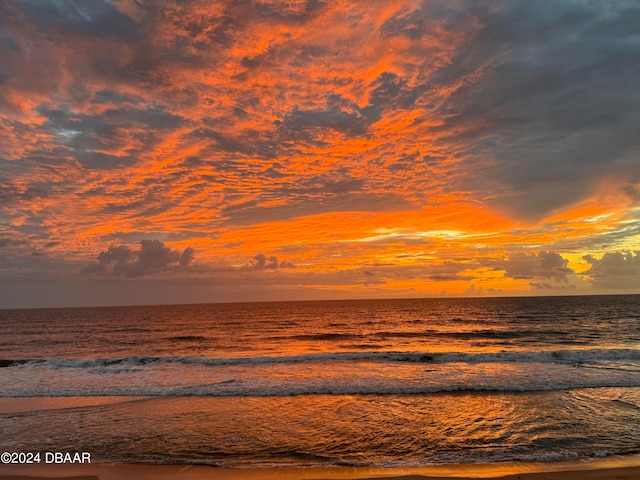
366 383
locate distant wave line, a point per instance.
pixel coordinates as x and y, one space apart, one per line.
564 356
460 335
239 389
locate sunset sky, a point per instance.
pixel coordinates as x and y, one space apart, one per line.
185 151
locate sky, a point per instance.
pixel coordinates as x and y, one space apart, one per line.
200 151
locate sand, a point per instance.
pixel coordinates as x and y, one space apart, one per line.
630 473
615 468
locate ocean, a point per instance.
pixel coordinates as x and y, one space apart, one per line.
380 383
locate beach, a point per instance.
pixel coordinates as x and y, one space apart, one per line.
627 468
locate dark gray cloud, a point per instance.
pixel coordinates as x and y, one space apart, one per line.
442 277
10 242
86 137
153 257
406 162
86 17
554 110
544 264
187 257
248 143
151 117
102 161
109 97
289 12
10 192
262 262
391 92
154 117
615 270
427 20
332 118
10 43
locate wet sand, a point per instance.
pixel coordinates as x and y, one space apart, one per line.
622 468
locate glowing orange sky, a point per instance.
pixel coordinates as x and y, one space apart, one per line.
268 150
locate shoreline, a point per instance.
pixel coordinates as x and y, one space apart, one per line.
607 468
